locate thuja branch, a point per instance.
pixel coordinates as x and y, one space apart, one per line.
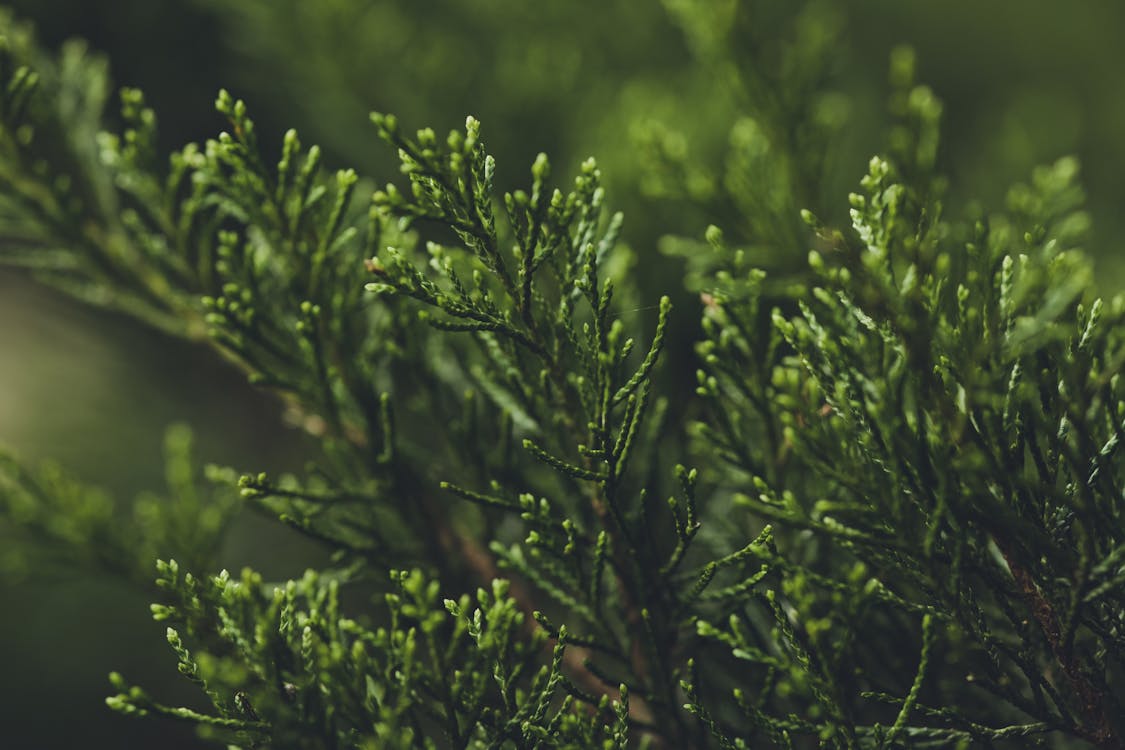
576 352
930 421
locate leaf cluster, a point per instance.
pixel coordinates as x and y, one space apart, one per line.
903 527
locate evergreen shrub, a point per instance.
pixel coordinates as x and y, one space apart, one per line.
886 511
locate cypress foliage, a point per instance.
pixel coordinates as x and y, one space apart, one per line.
892 517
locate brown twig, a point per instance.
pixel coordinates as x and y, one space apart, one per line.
1098 730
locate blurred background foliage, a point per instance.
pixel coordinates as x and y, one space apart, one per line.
632 83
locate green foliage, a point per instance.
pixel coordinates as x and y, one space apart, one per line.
53 520
904 528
